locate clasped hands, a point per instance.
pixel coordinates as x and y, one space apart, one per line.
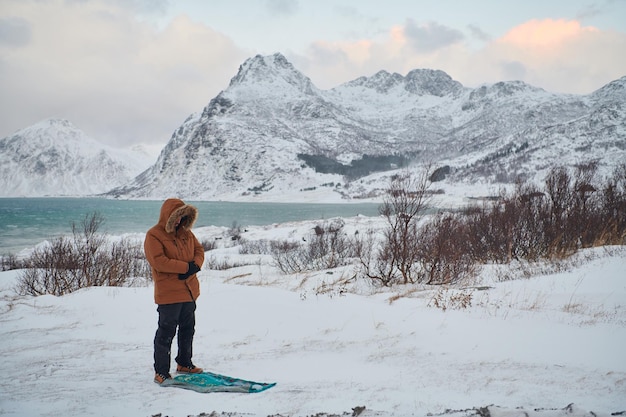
193 268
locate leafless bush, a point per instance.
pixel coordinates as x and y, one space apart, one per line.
489 232
445 253
9 262
404 205
225 263
288 256
235 231
570 213
437 252
530 224
582 211
85 259
446 299
208 244
524 223
326 247
255 247
371 262
613 208
124 264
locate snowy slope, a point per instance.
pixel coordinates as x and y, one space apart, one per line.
249 140
244 141
54 158
256 139
551 345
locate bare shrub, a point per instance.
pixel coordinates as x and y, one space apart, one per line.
335 288
9 262
485 241
446 299
327 246
559 192
50 270
528 225
445 251
583 212
404 205
85 259
255 247
208 244
613 208
527 215
224 263
371 265
437 252
235 231
124 264
570 213
287 256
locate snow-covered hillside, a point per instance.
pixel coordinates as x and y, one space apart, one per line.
54 158
546 346
271 133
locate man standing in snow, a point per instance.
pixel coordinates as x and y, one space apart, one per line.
175 256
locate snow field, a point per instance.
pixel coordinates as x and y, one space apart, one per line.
539 343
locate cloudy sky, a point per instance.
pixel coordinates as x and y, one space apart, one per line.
130 71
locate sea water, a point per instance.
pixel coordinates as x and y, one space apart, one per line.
25 222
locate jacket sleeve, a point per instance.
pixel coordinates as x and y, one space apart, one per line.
157 259
198 252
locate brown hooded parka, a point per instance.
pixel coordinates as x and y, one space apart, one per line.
170 249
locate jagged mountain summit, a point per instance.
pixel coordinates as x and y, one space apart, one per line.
54 158
272 132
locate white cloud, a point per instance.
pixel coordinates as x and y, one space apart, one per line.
557 55
119 79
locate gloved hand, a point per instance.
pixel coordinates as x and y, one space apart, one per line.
193 268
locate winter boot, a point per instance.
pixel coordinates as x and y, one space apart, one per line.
188 369
160 378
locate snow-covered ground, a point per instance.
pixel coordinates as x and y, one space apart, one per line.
552 344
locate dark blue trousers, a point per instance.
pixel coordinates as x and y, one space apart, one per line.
172 316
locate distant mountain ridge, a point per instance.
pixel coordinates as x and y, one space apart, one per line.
272 133
54 158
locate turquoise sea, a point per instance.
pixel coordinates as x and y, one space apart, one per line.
25 222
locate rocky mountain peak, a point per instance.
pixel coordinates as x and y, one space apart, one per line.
382 81
431 82
274 71
419 82
504 89
613 91
46 133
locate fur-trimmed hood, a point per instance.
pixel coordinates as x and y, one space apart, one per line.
173 209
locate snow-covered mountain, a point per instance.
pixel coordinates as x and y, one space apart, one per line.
273 132
54 158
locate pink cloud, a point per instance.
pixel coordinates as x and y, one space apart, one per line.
547 33
557 55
